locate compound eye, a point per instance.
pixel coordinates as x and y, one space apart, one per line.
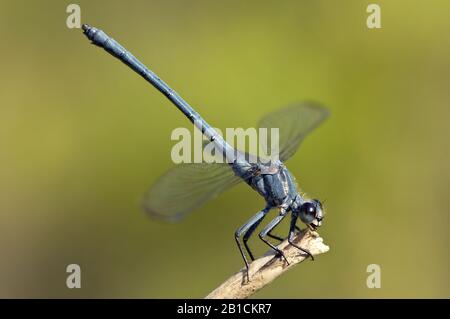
309 209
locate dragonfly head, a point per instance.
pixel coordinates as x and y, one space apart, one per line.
311 213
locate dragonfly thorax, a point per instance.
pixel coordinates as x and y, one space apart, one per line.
273 181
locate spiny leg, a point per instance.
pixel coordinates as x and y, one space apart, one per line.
275 237
245 228
269 228
281 239
250 232
292 234
247 235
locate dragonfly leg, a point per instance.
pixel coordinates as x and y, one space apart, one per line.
247 235
275 237
269 228
250 231
247 229
292 234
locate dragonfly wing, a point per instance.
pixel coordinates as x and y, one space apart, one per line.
294 123
187 187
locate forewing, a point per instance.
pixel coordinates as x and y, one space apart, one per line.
294 123
187 187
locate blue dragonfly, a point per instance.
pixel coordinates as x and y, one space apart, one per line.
186 187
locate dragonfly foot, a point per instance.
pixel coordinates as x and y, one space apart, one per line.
306 251
247 271
282 256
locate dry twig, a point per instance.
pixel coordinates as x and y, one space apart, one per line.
265 269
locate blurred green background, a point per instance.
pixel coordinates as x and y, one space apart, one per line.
82 138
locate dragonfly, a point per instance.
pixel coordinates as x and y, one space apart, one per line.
188 186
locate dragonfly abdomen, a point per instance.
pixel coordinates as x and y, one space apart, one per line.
101 39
